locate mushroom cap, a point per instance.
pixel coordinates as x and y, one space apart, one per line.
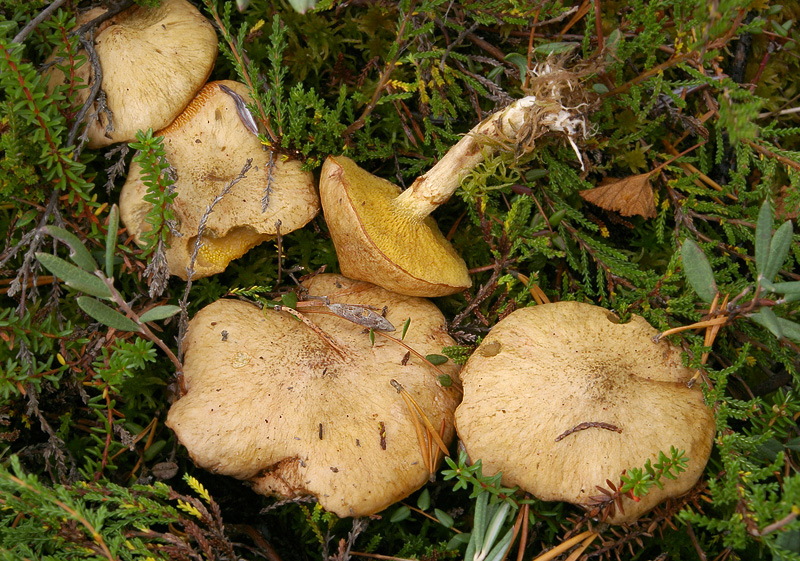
269 401
154 61
207 145
545 370
378 244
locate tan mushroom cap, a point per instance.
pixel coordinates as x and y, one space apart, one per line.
208 145
269 401
546 370
154 61
373 242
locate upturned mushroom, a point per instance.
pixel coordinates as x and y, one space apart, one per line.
207 145
387 237
154 60
562 397
272 401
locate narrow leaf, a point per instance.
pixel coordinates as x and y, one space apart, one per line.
499 551
786 287
78 253
790 329
698 270
111 240
106 315
405 328
493 530
159 313
763 237
478 525
778 250
73 276
765 317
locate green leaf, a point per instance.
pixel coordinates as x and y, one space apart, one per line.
763 237
159 313
106 315
499 551
457 541
478 525
778 250
73 276
493 530
556 47
557 217
424 500
289 300
786 287
111 240
765 317
445 381
520 61
78 253
698 270
302 6
400 514
405 328
436 360
444 519
790 329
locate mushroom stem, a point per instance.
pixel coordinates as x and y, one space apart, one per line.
507 126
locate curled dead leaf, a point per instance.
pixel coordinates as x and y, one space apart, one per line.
628 196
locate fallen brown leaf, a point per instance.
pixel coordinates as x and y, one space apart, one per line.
628 196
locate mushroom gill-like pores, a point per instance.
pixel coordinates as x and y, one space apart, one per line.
562 397
268 400
154 60
208 145
386 236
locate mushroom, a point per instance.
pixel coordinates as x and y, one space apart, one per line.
562 397
154 61
386 236
270 400
207 145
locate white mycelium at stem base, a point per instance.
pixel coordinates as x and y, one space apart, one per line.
516 125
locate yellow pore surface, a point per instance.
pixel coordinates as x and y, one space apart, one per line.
218 252
416 246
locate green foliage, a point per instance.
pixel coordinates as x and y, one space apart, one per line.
159 182
638 481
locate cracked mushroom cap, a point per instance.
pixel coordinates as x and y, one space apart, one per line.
376 241
154 60
589 397
207 145
267 400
